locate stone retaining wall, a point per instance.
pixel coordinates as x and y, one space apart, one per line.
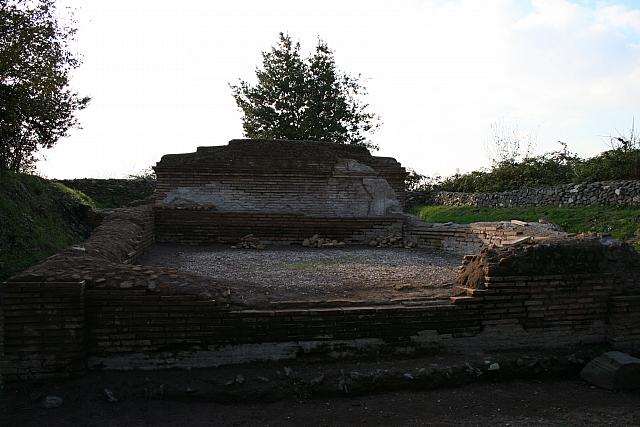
605 193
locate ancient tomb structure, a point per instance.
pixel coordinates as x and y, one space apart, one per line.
281 191
92 307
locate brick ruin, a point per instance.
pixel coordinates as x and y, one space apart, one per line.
281 191
92 307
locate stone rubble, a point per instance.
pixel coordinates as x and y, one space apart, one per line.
51 402
316 241
249 242
391 241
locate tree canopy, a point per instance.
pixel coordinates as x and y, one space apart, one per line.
37 107
304 98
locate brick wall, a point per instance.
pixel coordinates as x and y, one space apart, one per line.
201 226
42 310
294 177
86 307
624 322
507 309
280 191
44 330
471 238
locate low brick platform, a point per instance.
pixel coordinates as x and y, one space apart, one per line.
295 275
557 294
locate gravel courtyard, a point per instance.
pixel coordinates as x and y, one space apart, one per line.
286 275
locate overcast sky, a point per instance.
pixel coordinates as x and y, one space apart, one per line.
439 73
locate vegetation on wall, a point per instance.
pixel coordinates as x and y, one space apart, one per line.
37 219
304 98
114 193
549 169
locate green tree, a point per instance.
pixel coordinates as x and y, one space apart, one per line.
37 107
304 98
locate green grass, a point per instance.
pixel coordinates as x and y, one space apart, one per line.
37 219
621 223
76 194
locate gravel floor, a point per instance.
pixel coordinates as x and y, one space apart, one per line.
355 274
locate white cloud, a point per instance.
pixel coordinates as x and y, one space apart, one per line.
618 17
440 73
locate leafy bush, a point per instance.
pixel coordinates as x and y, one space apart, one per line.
619 163
549 169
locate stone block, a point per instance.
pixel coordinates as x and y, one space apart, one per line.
613 370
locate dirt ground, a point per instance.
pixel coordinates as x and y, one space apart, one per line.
283 273
515 403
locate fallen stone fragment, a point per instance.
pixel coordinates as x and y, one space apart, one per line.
518 222
51 402
249 242
316 241
516 242
613 370
111 398
391 241
317 380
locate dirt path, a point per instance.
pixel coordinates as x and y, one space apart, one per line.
516 403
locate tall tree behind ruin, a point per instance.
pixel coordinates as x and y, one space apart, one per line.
37 107
304 98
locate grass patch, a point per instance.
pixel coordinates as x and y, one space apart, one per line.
621 223
37 219
76 194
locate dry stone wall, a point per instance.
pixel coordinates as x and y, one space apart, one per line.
605 193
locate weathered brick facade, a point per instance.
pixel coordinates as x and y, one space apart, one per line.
281 191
